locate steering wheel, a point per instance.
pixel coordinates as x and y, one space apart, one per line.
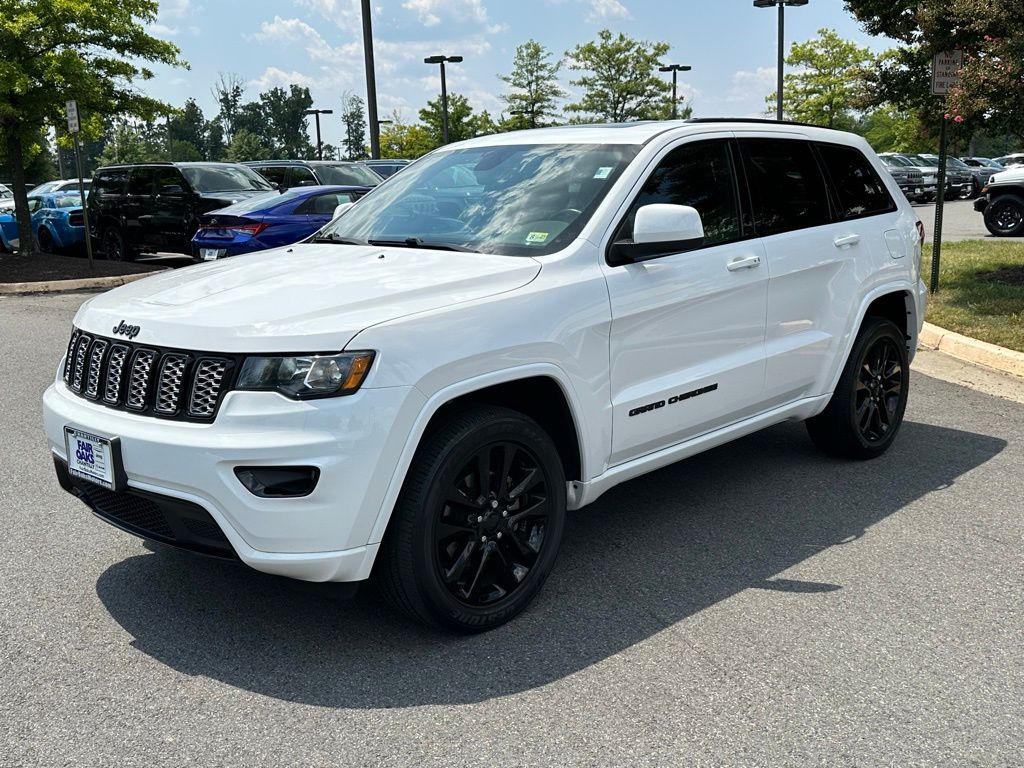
566 214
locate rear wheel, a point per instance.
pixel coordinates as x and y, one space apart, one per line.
114 246
866 410
45 240
1004 216
478 525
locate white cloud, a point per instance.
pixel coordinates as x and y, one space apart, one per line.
162 30
607 9
751 86
273 77
430 12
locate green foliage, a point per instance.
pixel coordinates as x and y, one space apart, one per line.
462 123
353 117
889 129
400 140
188 126
89 50
991 35
134 142
621 83
287 126
533 100
246 146
829 81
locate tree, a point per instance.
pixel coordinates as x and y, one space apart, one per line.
186 133
889 129
246 146
353 117
287 124
991 35
533 101
228 92
622 83
398 139
462 123
829 81
55 50
133 142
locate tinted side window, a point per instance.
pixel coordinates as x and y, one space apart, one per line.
169 177
699 175
274 174
300 174
142 181
860 191
786 185
325 204
111 182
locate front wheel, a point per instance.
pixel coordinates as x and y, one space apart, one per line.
478 524
866 410
1004 216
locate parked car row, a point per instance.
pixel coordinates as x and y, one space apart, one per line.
57 222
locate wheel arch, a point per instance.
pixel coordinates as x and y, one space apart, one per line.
541 391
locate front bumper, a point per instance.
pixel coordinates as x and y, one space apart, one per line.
981 204
355 441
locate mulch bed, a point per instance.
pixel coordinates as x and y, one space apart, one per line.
1006 275
44 267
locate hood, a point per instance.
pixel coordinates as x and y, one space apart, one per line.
305 298
1011 176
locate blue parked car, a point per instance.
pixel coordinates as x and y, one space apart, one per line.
57 222
269 221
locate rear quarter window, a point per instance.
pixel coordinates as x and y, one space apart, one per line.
786 186
859 190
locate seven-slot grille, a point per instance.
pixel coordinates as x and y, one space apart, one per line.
144 379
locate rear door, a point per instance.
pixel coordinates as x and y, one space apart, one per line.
138 208
173 218
687 336
820 251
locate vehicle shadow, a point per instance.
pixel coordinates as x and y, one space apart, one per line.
645 556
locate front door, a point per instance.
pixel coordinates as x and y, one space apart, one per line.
687 336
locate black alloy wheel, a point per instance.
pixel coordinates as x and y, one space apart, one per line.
879 390
45 240
491 527
478 524
114 248
1004 216
866 410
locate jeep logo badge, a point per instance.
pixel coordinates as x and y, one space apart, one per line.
123 329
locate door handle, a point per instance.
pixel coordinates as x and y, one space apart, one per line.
842 242
746 262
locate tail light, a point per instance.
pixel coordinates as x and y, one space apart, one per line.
237 229
920 233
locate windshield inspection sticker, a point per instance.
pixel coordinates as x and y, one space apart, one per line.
603 172
536 238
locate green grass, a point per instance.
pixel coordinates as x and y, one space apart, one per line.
990 311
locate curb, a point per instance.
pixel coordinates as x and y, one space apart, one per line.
64 286
972 351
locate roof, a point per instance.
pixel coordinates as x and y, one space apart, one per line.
643 131
300 162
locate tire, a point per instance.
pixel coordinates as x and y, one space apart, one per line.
866 410
113 245
45 241
1004 216
469 563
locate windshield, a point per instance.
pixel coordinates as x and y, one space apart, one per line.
67 201
224 178
351 174
511 200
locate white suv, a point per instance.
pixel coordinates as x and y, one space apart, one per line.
504 331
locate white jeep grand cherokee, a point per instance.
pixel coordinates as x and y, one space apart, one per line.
501 332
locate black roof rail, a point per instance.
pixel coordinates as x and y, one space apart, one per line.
756 120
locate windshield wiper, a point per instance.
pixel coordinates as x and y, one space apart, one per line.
419 242
340 240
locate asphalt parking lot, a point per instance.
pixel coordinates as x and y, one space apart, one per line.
756 605
959 221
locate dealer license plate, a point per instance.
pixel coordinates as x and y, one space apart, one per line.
90 457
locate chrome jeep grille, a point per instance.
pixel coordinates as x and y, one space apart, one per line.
169 383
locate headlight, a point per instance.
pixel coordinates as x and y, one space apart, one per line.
306 376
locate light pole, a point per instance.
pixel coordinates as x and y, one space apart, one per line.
675 69
444 90
319 144
782 26
371 82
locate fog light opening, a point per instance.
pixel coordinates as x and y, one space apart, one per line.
278 482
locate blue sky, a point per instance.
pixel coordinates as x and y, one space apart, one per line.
318 43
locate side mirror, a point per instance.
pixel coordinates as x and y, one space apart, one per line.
172 189
660 229
282 187
341 209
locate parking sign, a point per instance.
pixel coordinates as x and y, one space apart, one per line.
946 71
72 110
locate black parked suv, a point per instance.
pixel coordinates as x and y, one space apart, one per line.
150 207
285 174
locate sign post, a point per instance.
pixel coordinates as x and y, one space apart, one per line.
945 76
74 126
